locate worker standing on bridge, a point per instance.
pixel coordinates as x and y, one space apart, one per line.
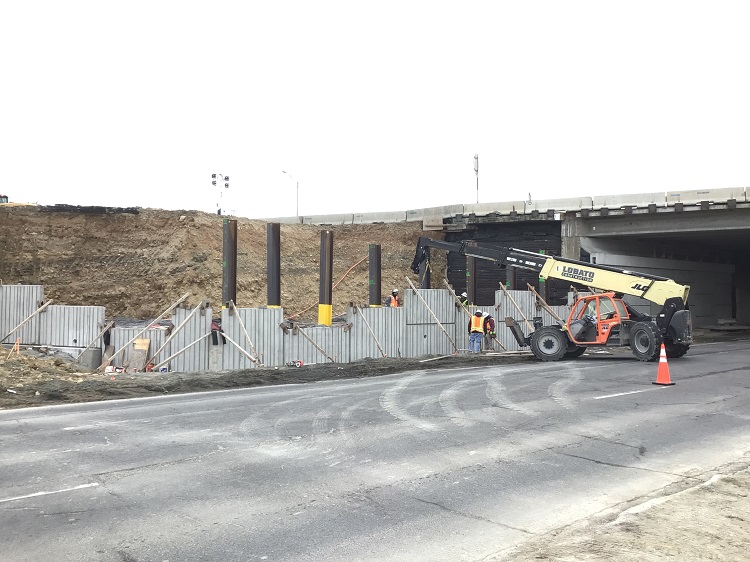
476 332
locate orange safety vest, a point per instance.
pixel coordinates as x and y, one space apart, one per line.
477 323
394 301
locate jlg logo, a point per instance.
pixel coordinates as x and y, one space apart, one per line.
639 287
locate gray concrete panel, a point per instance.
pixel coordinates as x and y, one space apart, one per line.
385 324
345 218
71 326
440 302
371 218
194 358
638 200
263 325
333 341
717 195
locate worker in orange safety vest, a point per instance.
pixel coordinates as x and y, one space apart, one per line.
476 332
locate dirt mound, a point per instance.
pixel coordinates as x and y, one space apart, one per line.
136 262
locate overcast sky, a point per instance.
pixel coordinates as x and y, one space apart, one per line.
369 106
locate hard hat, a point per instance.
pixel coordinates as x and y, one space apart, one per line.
464 294
395 290
478 313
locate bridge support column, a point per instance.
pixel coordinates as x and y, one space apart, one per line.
571 236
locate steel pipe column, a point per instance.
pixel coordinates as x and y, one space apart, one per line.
273 264
325 295
229 263
375 275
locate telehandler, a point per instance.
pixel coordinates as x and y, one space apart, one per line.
598 320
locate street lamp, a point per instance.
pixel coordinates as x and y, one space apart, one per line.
297 182
225 179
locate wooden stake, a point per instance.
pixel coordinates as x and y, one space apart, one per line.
37 311
168 359
424 302
315 344
238 346
16 347
380 349
124 347
242 325
518 308
107 327
174 332
545 306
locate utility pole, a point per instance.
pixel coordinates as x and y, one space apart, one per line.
476 171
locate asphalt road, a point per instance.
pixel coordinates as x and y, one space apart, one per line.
434 465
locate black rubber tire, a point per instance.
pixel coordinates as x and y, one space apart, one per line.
645 341
549 343
576 352
675 350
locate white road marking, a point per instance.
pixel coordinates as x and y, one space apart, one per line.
625 393
92 485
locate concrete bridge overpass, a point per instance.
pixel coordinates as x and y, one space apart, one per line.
699 237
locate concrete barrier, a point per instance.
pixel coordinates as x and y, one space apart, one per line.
285 220
641 200
442 212
346 218
370 218
571 204
694 197
501 207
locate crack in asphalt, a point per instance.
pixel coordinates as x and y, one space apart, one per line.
471 516
641 448
615 465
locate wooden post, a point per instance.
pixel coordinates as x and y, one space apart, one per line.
107 327
174 332
168 359
518 308
308 338
238 346
124 347
545 306
242 325
380 349
37 311
424 302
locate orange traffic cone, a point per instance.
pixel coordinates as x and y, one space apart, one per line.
662 375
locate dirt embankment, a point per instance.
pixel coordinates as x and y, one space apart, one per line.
138 262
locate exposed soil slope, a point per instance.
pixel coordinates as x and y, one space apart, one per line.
138 261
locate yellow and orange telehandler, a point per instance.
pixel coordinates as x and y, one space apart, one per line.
600 319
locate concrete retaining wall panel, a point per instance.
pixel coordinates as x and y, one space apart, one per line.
334 341
440 301
18 302
285 220
387 325
71 326
638 200
347 218
195 358
569 204
263 327
371 218
120 336
501 208
692 197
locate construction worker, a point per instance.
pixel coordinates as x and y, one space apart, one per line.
476 332
392 300
464 299
489 330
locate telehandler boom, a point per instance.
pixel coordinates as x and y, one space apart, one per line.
601 319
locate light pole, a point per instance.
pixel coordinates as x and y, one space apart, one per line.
297 182
476 171
225 179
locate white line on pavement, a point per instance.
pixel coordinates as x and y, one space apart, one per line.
93 484
624 393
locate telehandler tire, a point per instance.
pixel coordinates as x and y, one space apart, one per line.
645 341
675 350
575 352
549 343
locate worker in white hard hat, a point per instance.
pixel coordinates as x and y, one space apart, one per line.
464 299
393 299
